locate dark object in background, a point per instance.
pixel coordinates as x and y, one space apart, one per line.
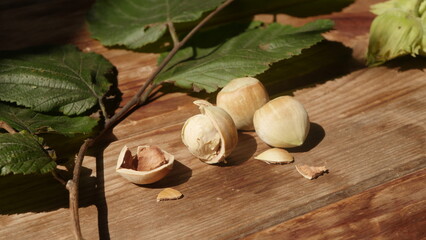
25 23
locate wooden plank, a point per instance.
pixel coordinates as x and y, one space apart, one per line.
369 129
395 210
373 133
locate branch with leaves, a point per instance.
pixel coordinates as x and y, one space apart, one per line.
137 100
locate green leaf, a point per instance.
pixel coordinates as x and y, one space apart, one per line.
35 123
54 79
209 67
298 8
136 23
22 153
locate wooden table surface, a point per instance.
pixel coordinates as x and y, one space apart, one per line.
368 129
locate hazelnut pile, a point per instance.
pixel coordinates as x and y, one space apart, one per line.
243 104
211 136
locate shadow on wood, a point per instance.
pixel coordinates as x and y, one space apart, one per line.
101 203
40 193
315 136
322 62
407 63
113 97
179 174
244 151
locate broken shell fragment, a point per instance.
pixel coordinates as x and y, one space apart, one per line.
169 194
275 156
311 172
210 136
149 165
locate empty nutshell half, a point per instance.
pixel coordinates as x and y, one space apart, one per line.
149 165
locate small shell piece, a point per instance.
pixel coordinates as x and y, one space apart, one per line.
148 166
241 97
310 172
210 136
169 194
275 156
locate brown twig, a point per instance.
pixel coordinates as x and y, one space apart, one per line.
58 178
72 186
137 100
7 127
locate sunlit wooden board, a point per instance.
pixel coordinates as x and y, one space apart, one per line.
368 128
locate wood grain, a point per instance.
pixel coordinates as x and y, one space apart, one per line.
395 210
372 135
368 128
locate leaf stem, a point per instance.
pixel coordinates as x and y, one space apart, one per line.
173 33
103 109
137 100
7 127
